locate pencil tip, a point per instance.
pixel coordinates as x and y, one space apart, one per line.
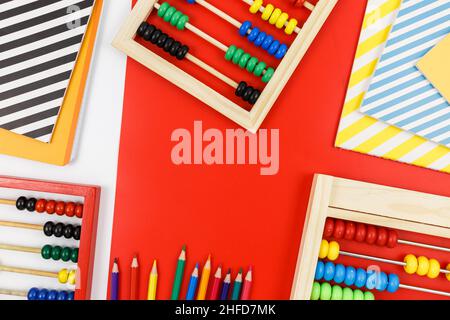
184 248
241 270
250 268
197 265
115 260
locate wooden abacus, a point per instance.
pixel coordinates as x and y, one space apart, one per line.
80 253
353 211
276 80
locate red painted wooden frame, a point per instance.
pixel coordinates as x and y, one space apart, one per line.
91 195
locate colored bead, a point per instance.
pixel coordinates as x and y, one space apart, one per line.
350 276
65 254
315 293
175 17
350 230
267 13
163 9
60 208
62 296
360 279
169 13
40 205
276 14
320 268
329 228
369 296
290 28
253 34
149 32
260 39
325 291
333 251
358 295
155 36
260 67
382 282
251 64
244 59
68 231
241 88
74 255
329 271
141 29
230 53
392 239
339 229
191 1
423 267
360 234
411 264
339 273
268 75
58 230
257 4
336 293
371 234
181 24
434 269
243 30
21 203
31 204
324 248
42 295
71 295
237 55
282 20
50 207
72 277
267 42
247 93
46 252
56 253
63 276
393 283
162 40
347 294
382 237
32 294
281 52
48 228
52 295
254 97
70 209
274 47
371 279
77 233
447 275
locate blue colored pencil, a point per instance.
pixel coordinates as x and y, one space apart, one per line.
192 288
226 286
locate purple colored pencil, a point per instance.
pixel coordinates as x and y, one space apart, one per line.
115 281
226 286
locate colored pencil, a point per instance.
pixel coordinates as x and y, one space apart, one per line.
179 275
237 286
134 286
192 287
215 289
153 282
226 286
203 287
115 281
247 285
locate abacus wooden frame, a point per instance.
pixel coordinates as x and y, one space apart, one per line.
365 203
251 120
91 195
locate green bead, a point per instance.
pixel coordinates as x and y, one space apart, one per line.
369 296
46 252
169 14
182 22
65 254
56 253
268 75
175 17
163 8
325 291
230 53
74 255
347 294
315 294
251 64
259 68
237 55
358 295
336 293
244 59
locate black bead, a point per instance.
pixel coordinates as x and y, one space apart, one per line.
148 32
68 231
77 233
155 36
162 40
182 52
58 230
174 48
168 44
254 97
247 93
142 28
48 228
31 204
21 203
241 88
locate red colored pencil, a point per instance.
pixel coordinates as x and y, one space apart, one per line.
215 289
134 279
247 285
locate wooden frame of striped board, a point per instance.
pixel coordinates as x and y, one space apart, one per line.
365 203
251 120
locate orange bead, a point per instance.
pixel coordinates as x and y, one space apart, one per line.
50 207
79 210
40 205
371 235
70 209
60 208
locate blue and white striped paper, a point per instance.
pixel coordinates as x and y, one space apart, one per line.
399 93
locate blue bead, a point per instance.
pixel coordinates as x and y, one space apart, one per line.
350 276
244 28
319 271
382 281
371 280
361 276
393 283
32 294
339 273
329 271
71 295
274 47
281 52
42 295
52 295
191 1
260 39
267 42
253 34
62 295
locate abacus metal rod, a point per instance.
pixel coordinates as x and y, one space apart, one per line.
32 272
13 293
19 248
437 292
398 263
423 245
20 225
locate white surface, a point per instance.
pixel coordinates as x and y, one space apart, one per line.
95 154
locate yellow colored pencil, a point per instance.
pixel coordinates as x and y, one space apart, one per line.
153 282
201 295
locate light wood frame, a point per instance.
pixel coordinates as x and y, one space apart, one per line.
251 120
365 203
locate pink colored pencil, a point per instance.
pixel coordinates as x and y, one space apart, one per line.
247 285
215 289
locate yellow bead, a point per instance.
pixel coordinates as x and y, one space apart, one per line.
267 12
290 28
254 8
72 277
424 265
411 264
275 16
333 251
63 276
324 246
447 275
434 270
282 20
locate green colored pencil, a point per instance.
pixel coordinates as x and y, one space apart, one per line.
179 274
237 286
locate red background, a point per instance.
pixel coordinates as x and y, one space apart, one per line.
231 211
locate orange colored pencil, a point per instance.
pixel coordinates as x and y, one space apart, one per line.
134 279
204 280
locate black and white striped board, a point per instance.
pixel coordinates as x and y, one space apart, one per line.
39 45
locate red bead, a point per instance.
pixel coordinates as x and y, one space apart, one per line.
329 228
79 210
40 205
70 209
50 207
382 237
339 229
360 234
392 239
371 234
350 230
60 208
